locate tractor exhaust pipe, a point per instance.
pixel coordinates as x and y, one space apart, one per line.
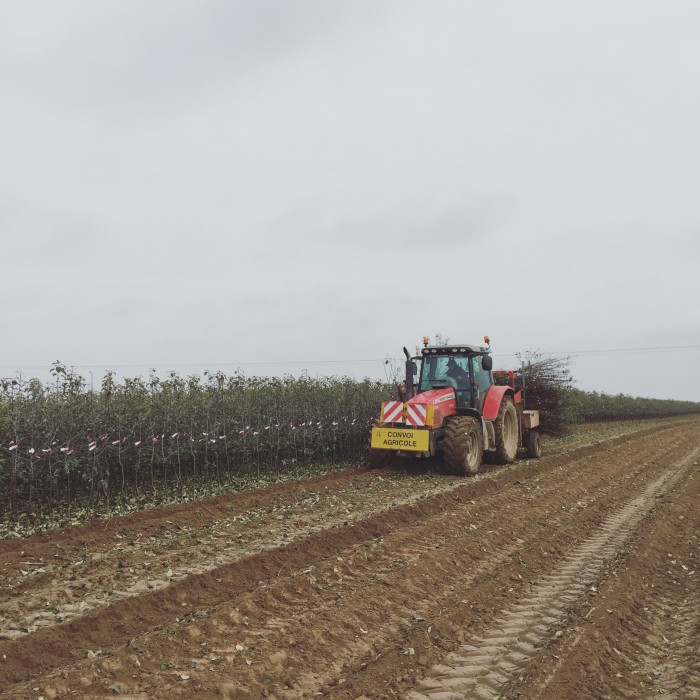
409 374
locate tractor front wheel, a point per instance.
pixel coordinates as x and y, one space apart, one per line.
379 459
463 446
506 432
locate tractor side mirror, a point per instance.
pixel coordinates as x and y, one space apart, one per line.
487 363
414 369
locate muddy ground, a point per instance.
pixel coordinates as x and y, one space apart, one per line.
572 576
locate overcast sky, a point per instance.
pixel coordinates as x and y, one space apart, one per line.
203 183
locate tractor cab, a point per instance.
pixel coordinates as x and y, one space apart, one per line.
464 368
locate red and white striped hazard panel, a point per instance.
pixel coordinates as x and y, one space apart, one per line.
392 412
416 414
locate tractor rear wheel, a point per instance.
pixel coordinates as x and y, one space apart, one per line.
534 448
506 432
463 446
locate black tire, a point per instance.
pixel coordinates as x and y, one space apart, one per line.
506 429
463 446
534 447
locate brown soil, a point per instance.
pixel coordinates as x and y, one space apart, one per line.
575 575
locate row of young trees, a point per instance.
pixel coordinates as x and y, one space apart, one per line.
588 406
141 441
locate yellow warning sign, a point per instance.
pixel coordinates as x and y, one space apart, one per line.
401 439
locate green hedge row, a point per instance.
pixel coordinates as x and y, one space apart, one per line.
146 440
590 406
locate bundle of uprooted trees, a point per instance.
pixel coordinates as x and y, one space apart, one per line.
547 384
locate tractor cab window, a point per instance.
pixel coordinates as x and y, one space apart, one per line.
446 372
464 374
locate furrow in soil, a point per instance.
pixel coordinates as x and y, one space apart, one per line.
377 581
486 666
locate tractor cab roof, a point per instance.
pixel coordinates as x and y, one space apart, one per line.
455 349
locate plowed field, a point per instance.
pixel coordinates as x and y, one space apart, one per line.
572 576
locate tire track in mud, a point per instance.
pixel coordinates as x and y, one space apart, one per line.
643 638
485 668
671 663
291 597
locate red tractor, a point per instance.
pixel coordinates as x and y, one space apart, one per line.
455 409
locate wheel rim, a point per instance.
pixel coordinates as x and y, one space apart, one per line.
472 449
